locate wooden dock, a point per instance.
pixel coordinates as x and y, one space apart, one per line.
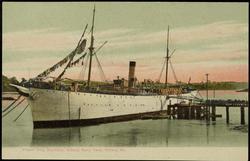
202 110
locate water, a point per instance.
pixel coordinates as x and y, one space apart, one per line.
138 133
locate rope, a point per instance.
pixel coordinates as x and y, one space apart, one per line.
77 61
21 113
85 66
162 70
12 108
172 68
100 47
11 104
100 68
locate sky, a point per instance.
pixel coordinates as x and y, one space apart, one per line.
206 37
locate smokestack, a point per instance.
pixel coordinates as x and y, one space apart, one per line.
131 74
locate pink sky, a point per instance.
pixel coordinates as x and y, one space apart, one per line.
199 51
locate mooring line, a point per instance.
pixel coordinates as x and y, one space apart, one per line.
12 108
21 113
12 104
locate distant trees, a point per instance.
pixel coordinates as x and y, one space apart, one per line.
200 86
219 85
6 83
23 80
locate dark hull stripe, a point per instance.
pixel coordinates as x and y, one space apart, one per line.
95 121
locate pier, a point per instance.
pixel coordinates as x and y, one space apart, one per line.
202 110
206 110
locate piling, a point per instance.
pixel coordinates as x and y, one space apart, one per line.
213 113
186 112
169 110
173 112
198 113
193 112
227 114
189 112
208 113
179 116
242 116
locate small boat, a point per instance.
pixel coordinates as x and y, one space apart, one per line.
242 90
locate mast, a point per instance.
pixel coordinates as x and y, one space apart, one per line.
167 59
91 48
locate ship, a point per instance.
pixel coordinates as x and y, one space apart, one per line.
58 104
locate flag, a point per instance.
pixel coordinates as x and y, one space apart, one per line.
81 47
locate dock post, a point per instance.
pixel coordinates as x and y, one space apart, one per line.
208 114
179 112
192 113
189 112
242 116
227 114
169 111
198 113
186 113
213 113
173 112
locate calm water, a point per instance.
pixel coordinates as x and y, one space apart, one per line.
139 133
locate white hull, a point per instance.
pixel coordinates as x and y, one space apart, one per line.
50 105
63 106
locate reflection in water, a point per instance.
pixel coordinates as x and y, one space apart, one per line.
86 136
140 133
207 133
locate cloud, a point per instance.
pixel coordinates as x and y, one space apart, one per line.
182 35
122 43
55 39
211 31
51 39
